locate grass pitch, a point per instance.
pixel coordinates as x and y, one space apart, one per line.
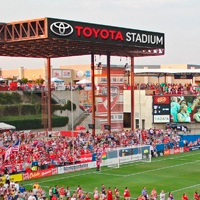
176 173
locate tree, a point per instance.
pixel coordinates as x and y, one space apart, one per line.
24 80
39 81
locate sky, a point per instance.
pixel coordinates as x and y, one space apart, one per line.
179 20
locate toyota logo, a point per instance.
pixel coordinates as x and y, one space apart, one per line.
61 28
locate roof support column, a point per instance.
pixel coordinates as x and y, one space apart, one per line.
49 93
93 93
108 90
132 93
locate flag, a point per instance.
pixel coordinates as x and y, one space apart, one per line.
104 156
15 147
7 153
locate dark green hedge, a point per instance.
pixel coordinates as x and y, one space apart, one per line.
10 98
19 109
35 123
30 109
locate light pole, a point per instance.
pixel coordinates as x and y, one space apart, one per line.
127 71
72 115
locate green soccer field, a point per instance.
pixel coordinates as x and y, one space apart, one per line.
177 173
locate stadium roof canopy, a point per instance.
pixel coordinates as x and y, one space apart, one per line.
166 72
53 38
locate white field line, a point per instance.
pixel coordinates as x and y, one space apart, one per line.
152 170
185 188
158 169
83 174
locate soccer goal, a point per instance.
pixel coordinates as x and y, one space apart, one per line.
117 157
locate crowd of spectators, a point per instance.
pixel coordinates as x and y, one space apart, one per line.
40 87
49 152
170 88
159 88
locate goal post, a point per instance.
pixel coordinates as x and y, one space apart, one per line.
119 156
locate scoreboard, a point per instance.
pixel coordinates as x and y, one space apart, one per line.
161 109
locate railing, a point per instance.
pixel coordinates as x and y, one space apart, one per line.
60 101
78 120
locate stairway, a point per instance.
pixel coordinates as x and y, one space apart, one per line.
79 121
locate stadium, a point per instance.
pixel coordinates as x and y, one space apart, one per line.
132 164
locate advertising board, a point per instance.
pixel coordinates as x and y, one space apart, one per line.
40 173
81 31
14 178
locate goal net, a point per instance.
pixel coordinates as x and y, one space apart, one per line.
116 157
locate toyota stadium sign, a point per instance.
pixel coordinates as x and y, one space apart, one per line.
78 31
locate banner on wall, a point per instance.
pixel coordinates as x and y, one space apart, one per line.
40 173
72 168
160 153
86 158
116 99
104 156
186 149
175 151
19 167
85 103
14 177
57 73
195 147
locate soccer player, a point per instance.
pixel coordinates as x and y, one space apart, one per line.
154 193
103 189
98 158
62 193
184 197
144 193
96 194
87 196
36 185
8 178
170 196
109 194
117 195
162 195
127 194
196 195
